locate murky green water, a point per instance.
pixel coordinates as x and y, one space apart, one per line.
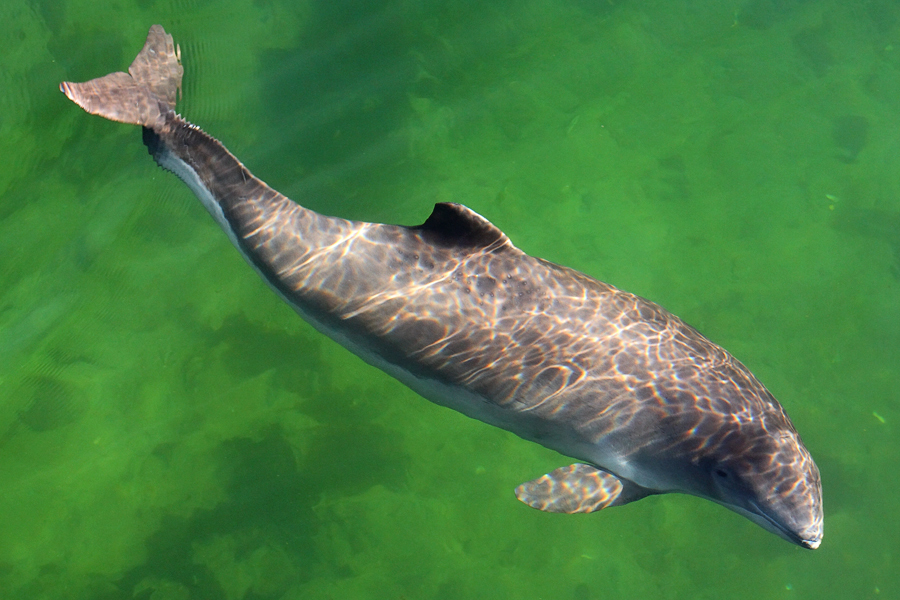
170 431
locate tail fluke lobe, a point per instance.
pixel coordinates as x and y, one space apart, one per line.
145 94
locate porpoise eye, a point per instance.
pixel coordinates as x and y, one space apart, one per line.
721 473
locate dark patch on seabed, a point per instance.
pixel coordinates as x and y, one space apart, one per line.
248 349
51 403
269 503
874 223
812 45
850 134
671 180
269 509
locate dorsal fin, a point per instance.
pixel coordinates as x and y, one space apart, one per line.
456 225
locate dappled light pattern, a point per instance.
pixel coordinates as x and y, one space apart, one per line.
574 489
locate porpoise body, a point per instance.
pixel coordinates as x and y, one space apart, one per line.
455 311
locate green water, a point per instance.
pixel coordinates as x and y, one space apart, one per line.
169 430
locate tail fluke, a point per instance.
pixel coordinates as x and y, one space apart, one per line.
145 94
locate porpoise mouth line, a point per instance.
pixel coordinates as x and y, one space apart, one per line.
805 543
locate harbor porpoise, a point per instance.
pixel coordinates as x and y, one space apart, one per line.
456 312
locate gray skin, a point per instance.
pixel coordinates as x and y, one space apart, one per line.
455 311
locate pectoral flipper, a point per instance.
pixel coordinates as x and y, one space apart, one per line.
577 488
